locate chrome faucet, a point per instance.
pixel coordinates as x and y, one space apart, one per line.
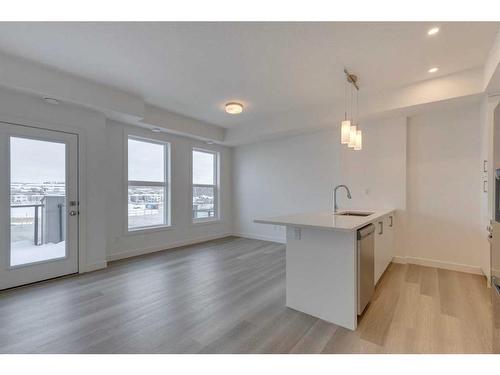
335 207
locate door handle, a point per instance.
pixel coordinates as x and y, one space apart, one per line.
392 221
72 213
381 230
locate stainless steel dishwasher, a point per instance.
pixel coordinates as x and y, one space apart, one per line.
366 287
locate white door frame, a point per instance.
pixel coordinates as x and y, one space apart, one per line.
83 265
22 274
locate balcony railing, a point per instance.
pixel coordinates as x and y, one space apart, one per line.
54 231
37 235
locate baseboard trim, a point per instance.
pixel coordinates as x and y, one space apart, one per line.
487 276
259 237
438 264
397 259
94 266
154 249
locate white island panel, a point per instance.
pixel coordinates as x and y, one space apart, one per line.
321 277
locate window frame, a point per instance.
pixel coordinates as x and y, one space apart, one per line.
217 216
166 185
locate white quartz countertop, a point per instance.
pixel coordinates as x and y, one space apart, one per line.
328 220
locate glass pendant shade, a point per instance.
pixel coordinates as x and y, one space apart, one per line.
345 132
359 141
352 136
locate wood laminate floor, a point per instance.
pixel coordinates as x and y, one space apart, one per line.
228 296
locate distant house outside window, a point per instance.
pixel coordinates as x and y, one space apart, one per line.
148 184
205 165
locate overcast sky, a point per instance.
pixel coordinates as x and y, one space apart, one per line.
203 163
37 161
146 163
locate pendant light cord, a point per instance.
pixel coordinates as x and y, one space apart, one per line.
357 107
345 100
352 106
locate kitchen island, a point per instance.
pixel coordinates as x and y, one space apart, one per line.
322 260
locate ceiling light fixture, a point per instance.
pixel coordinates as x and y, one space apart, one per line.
433 31
156 130
350 135
433 70
234 108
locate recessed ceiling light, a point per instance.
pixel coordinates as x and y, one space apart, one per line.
433 31
433 70
234 108
156 130
50 100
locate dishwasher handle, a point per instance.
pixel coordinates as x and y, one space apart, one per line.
495 283
366 231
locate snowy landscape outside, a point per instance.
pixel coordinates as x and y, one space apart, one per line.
37 200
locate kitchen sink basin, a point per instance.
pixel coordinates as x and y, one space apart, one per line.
354 213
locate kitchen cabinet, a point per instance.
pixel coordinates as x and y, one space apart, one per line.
384 244
324 275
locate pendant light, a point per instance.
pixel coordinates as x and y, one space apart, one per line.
359 141
345 126
345 131
350 134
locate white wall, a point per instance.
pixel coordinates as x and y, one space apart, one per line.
444 188
27 109
376 175
122 244
430 169
441 181
28 76
298 175
102 150
282 177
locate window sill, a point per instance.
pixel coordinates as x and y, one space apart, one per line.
206 222
160 228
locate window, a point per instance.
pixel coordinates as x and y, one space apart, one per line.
148 184
205 185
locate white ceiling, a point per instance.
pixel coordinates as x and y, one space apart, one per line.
273 68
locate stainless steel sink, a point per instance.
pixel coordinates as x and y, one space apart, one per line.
354 213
